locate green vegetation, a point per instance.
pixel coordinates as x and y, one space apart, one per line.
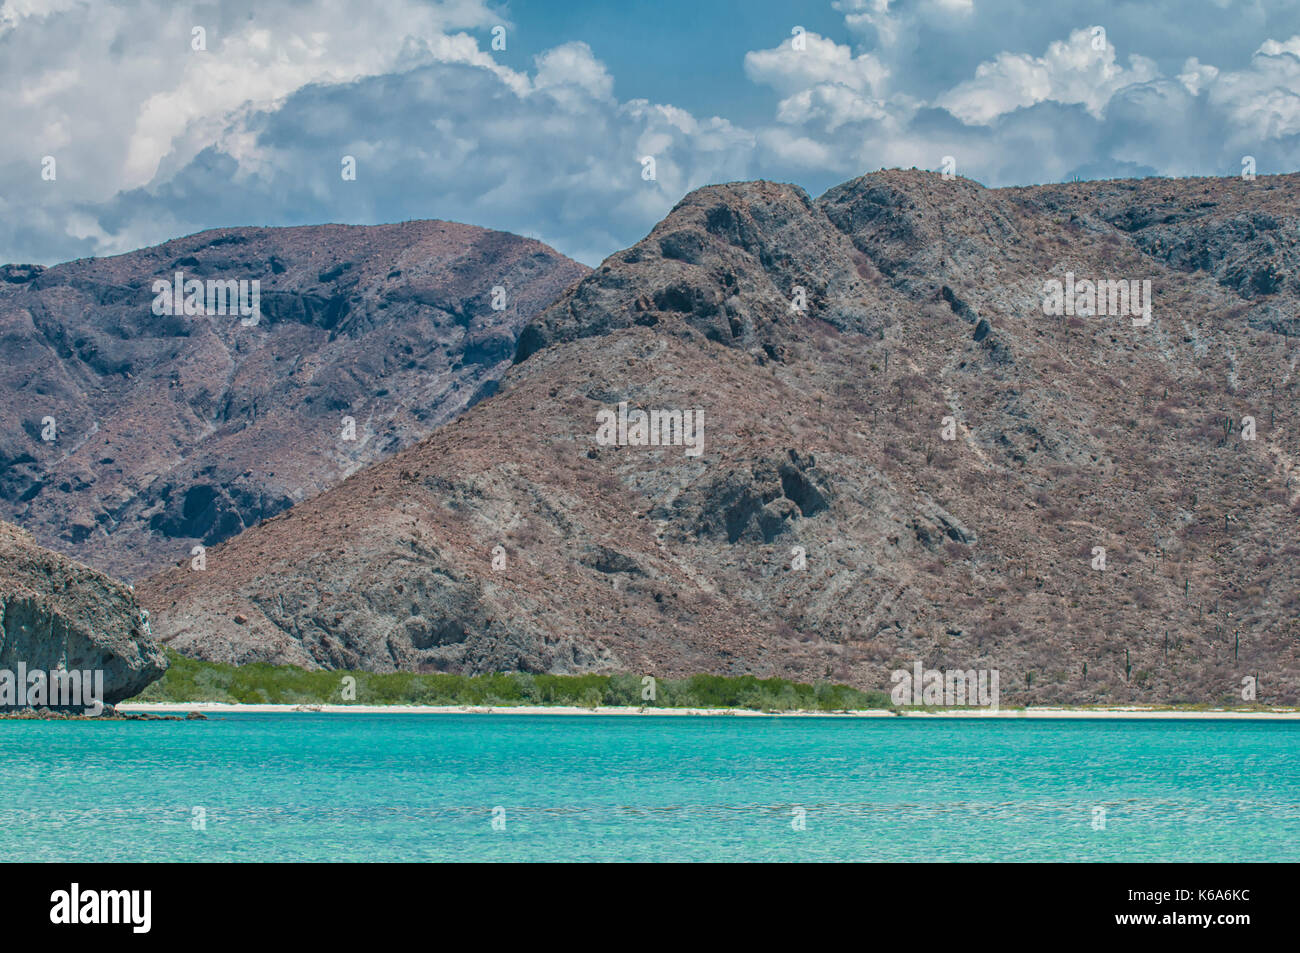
189 680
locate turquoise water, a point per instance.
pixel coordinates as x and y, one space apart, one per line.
423 787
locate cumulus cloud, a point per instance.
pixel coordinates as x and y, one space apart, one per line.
1263 100
549 153
817 61
253 131
572 67
1081 69
1076 106
1197 75
119 96
822 81
894 25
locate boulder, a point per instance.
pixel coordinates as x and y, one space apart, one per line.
58 614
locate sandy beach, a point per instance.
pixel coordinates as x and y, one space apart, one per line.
1117 712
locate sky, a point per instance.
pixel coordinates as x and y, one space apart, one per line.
128 123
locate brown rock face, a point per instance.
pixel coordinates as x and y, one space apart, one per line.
56 614
904 458
131 436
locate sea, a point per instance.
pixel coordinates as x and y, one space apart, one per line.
532 787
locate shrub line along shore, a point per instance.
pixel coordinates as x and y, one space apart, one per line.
1119 712
193 685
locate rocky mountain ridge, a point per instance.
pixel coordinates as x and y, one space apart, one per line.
131 436
905 459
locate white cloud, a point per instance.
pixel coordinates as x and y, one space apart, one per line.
1263 100
833 105
822 61
822 83
251 131
573 67
1020 117
117 88
550 154
1071 71
1197 75
1274 48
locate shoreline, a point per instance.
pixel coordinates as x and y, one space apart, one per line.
1117 712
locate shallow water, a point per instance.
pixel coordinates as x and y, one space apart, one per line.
424 787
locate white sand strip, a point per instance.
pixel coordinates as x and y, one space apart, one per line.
1280 714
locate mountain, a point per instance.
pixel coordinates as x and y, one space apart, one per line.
132 436
1104 523
57 614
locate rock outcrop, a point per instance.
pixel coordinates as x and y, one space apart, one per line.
56 614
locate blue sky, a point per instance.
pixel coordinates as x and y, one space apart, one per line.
690 54
120 134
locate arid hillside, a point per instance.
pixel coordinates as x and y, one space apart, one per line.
903 458
132 436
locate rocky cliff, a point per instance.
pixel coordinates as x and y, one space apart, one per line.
904 458
57 614
132 436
